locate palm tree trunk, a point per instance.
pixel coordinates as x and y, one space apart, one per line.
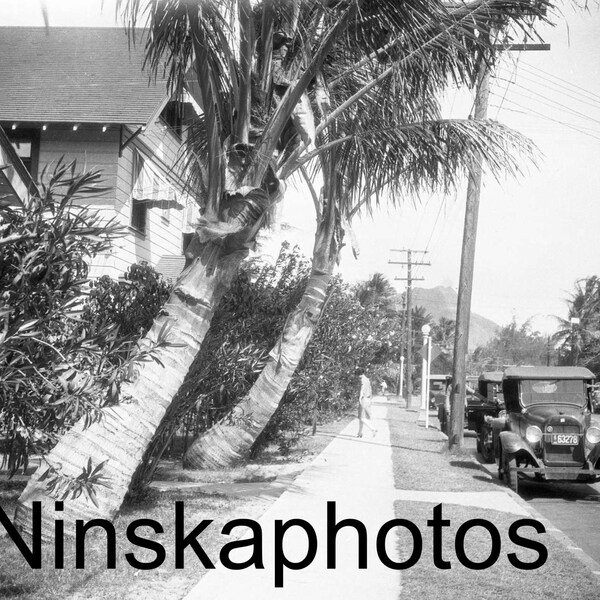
233 436
124 432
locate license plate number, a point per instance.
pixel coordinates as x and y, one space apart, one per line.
564 439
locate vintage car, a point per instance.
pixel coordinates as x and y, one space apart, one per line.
547 432
438 387
483 405
480 404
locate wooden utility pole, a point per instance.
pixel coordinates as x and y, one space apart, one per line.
467 264
409 280
465 283
403 338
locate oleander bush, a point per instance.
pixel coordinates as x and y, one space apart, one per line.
51 359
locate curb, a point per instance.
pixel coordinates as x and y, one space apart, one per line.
559 536
550 527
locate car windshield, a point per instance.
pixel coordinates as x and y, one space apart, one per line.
555 391
437 386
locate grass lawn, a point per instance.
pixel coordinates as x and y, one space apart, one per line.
561 577
421 462
96 582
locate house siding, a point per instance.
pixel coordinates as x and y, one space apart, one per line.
160 147
93 150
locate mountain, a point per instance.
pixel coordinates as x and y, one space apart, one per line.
441 302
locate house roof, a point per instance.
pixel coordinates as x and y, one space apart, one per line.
75 75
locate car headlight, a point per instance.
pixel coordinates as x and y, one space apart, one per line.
592 435
533 434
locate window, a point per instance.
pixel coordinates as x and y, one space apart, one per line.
150 189
186 239
139 208
172 115
26 142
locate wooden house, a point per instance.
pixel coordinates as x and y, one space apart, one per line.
81 94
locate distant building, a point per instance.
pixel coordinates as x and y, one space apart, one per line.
80 93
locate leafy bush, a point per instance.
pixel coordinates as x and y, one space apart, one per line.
46 352
132 303
245 327
324 387
54 357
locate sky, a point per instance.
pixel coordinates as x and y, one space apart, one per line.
536 236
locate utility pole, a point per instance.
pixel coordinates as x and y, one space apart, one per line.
403 338
467 264
465 284
409 280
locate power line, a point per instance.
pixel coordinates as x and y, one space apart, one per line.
552 76
545 100
510 81
527 110
556 89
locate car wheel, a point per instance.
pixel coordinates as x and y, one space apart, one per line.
511 475
485 445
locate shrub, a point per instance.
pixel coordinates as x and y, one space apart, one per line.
46 351
55 355
131 304
325 386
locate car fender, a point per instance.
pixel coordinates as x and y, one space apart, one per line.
514 444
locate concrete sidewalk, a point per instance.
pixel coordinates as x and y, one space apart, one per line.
357 475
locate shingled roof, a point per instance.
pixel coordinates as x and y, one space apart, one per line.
74 75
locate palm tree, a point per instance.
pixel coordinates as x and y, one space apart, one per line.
420 316
250 69
442 332
583 324
384 149
377 290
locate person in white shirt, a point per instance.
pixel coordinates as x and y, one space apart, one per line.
364 404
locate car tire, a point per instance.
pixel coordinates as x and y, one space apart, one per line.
484 445
511 477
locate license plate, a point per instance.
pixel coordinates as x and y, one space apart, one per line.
564 439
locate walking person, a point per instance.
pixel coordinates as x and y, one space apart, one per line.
364 404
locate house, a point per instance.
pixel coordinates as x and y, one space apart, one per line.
81 94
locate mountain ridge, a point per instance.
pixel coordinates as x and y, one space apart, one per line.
441 301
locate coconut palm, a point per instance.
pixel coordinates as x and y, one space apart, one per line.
250 68
400 149
377 290
442 332
584 305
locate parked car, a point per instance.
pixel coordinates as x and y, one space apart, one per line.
438 387
483 405
547 432
476 405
